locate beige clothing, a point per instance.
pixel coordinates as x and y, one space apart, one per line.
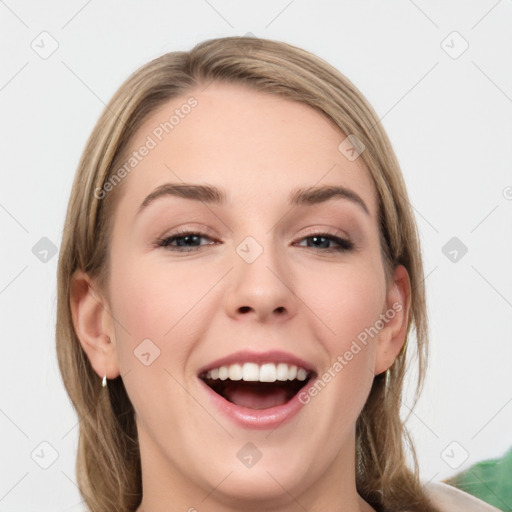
451 499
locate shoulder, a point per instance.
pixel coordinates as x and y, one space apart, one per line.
450 499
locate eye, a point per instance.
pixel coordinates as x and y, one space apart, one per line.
320 240
186 241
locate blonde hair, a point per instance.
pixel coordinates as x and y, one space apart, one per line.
108 460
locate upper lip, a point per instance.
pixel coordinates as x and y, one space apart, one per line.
248 356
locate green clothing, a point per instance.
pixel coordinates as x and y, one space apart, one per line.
489 480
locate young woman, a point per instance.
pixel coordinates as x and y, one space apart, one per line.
239 276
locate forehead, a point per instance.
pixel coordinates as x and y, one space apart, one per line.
255 145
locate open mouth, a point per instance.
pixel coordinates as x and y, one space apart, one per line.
257 387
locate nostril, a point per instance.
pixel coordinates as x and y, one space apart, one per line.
245 309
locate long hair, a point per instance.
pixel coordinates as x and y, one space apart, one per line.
108 461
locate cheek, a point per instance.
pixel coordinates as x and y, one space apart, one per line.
349 304
161 303
345 301
154 334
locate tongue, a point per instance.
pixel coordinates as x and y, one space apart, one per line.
254 397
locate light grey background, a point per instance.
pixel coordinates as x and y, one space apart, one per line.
448 114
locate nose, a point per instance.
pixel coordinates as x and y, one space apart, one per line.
261 283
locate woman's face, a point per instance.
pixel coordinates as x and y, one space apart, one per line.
252 284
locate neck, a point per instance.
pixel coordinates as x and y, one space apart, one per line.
166 488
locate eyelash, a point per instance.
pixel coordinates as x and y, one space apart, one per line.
344 245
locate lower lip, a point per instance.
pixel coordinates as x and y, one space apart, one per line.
257 419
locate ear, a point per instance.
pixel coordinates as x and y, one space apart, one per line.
93 324
395 318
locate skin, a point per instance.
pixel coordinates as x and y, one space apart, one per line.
208 303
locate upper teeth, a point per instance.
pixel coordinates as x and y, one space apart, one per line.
267 372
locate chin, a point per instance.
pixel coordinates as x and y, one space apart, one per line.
269 485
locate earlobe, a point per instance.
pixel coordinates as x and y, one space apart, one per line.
395 318
93 325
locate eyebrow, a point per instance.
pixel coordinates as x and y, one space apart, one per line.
214 195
